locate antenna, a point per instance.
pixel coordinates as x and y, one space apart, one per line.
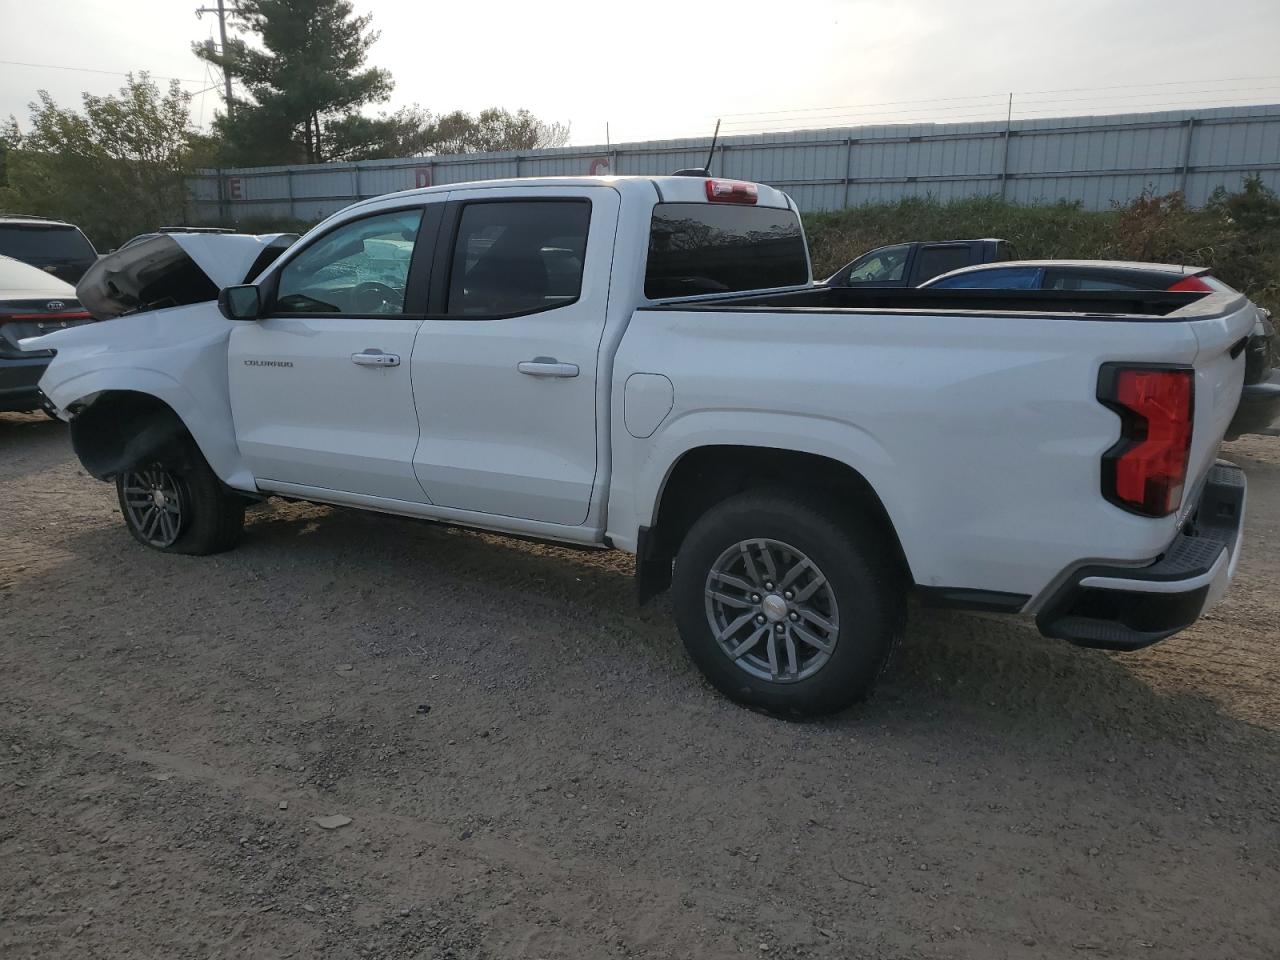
702 171
714 137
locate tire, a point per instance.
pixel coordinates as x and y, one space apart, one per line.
857 579
209 518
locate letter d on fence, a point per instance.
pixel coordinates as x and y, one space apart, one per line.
422 176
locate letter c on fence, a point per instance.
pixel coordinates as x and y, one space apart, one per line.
600 167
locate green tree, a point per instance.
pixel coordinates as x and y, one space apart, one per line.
305 72
493 130
116 167
414 132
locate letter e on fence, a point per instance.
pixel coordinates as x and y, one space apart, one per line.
235 188
422 176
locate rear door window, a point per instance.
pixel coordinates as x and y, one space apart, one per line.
702 248
1006 250
933 260
514 257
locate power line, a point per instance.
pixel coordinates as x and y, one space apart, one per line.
1230 92
1170 97
856 106
993 113
114 73
1143 86
1000 96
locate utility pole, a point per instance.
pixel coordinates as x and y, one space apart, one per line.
221 11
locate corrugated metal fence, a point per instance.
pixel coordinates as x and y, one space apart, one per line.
1095 160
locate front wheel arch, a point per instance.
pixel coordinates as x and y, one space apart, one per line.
119 429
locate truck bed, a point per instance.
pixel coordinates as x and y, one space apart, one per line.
1086 304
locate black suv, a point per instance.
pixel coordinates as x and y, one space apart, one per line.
53 246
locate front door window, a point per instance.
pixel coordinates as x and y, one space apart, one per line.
360 269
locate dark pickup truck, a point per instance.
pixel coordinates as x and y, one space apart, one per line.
914 263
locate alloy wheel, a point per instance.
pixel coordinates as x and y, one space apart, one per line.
156 504
772 611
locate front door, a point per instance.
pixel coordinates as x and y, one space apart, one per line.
320 388
504 368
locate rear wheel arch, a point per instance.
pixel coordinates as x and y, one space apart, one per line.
705 476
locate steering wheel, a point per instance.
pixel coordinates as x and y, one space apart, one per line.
374 297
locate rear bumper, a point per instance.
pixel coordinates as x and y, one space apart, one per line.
1127 608
18 383
1259 407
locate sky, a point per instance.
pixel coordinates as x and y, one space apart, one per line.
663 69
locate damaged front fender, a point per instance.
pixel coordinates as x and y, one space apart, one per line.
174 360
119 431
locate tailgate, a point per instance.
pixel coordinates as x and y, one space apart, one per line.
1219 366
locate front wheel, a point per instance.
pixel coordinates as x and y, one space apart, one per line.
180 506
789 606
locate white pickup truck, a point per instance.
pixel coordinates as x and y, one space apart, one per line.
643 363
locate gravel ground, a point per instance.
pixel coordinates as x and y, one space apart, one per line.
532 768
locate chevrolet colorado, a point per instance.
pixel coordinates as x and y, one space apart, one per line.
643 363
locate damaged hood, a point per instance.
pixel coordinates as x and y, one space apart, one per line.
173 269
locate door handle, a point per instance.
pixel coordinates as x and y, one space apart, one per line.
547 367
376 358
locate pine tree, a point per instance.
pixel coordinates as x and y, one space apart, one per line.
305 71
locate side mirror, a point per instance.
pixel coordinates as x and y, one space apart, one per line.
240 303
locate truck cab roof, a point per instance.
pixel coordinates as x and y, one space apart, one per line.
669 189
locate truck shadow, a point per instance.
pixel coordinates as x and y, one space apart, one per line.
994 673
955 675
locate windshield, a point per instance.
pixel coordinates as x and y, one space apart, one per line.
44 243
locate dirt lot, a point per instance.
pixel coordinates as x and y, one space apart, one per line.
170 728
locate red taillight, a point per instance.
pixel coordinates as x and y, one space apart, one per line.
1191 285
1146 470
732 191
67 315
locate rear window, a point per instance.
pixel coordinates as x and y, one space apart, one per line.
700 248
45 243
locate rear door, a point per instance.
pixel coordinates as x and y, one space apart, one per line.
320 388
504 368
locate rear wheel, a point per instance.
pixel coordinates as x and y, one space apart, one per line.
785 605
180 506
